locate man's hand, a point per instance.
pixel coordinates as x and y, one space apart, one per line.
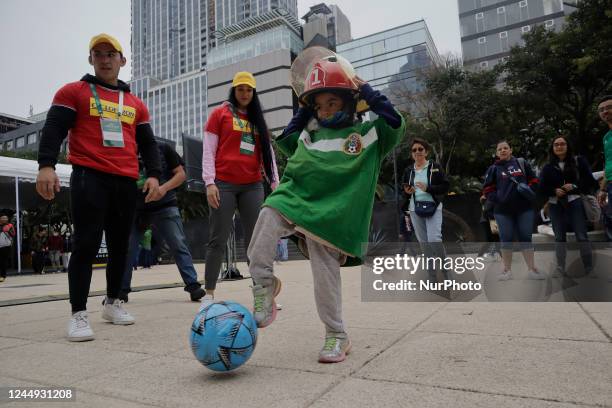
601 198
212 195
560 192
151 187
161 192
47 183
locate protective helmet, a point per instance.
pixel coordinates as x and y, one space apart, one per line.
326 75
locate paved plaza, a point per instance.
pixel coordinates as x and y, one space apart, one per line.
436 354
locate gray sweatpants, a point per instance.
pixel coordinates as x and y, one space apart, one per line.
248 199
324 262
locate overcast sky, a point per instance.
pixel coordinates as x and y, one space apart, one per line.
44 42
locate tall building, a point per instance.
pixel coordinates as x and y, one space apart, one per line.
329 22
390 60
266 45
172 42
490 27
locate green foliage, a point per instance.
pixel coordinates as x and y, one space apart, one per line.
31 155
556 78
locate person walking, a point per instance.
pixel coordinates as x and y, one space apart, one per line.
108 126
426 184
7 235
165 217
509 187
236 147
56 248
39 248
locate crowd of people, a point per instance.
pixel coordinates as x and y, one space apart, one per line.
123 184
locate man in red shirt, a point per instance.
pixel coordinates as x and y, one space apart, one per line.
106 127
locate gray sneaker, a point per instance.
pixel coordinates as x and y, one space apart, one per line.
264 306
335 349
116 314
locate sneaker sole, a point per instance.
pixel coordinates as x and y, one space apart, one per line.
338 359
78 339
121 323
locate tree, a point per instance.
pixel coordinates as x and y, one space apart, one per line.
557 77
460 113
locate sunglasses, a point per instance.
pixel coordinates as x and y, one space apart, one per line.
418 149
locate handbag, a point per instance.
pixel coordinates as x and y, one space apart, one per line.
5 240
425 208
591 207
525 191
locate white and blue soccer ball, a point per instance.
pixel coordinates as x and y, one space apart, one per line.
223 336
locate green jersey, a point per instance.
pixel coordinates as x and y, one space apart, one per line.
327 189
607 142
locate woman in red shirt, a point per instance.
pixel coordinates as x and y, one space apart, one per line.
236 148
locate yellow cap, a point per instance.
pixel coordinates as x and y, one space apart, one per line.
244 78
105 38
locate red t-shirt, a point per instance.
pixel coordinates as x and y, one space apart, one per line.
85 138
232 166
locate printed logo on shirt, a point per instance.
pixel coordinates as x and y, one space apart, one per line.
109 109
241 125
353 145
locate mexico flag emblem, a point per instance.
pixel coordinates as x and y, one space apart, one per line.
353 144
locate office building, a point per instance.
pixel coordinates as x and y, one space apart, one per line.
489 28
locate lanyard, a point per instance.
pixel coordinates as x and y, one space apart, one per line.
99 105
242 126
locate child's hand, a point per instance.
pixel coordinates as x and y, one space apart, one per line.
358 81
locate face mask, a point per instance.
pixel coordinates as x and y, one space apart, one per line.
337 119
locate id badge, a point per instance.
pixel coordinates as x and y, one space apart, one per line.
247 144
112 133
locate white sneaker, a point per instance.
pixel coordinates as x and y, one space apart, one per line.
207 300
505 275
79 328
116 314
536 275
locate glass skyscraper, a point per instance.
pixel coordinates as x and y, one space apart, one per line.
171 42
389 60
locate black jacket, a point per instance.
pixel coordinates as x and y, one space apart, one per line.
438 185
579 174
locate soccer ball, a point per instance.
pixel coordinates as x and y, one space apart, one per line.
223 336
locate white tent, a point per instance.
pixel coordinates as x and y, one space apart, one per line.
26 171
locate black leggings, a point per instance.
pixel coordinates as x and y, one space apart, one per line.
100 202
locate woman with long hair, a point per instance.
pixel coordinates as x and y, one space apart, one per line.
509 189
563 180
236 149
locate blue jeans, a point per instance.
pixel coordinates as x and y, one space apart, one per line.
428 231
168 223
515 225
573 215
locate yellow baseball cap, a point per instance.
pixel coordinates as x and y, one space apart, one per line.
105 38
244 78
